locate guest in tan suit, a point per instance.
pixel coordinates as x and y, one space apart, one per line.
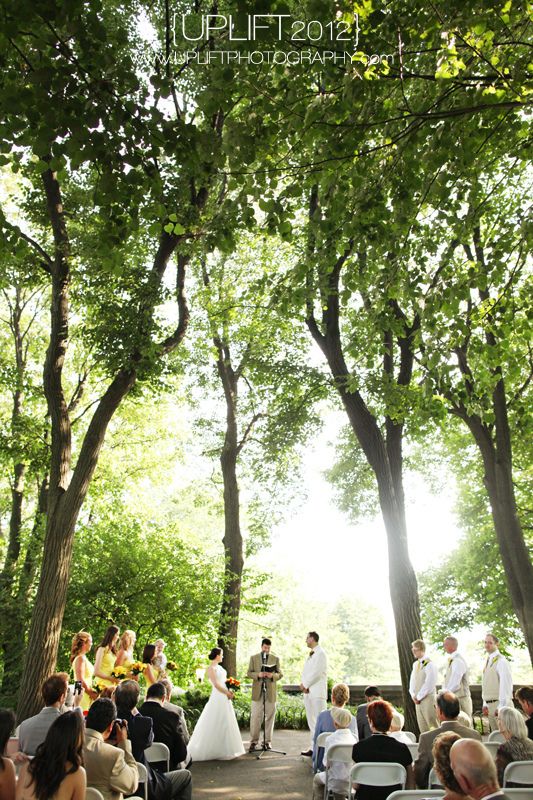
448 708
264 670
110 768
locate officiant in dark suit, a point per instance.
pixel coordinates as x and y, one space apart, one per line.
265 672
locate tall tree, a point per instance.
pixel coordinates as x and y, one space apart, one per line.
268 394
101 155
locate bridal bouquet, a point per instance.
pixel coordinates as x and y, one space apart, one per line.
233 684
137 668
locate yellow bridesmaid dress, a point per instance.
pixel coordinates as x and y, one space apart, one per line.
106 666
157 673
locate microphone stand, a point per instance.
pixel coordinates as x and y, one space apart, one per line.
264 748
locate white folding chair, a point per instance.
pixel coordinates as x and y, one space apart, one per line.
413 749
414 794
492 747
320 743
158 751
338 752
378 773
93 794
410 735
519 772
517 794
433 780
143 778
496 736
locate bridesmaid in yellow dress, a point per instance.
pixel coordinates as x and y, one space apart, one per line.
125 654
106 654
151 672
82 667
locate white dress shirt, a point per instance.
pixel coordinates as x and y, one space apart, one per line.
430 678
458 668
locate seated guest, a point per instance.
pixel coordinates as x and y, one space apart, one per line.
517 746
166 724
340 694
56 770
448 709
363 728
441 758
7 768
110 768
475 770
175 709
339 771
524 695
33 730
161 786
396 726
381 747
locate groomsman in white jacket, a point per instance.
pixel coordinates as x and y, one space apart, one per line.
314 684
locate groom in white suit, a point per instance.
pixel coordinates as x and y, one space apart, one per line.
314 684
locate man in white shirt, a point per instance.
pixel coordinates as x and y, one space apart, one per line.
314 684
339 771
496 682
456 677
422 687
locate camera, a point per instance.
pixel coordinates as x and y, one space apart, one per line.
119 723
77 687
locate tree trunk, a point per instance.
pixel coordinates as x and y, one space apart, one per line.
384 456
17 607
496 454
402 579
63 510
233 550
234 559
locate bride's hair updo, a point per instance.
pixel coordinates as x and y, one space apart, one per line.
216 651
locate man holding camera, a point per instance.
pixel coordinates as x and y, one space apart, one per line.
265 671
110 768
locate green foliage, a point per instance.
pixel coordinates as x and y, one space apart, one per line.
469 587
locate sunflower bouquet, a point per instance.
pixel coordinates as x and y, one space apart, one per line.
121 673
137 668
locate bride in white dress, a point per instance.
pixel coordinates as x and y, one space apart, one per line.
216 734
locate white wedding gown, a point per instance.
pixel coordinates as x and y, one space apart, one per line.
216 734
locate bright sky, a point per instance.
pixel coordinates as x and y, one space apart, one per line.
313 537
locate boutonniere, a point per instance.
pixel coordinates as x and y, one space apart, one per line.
450 660
494 660
425 662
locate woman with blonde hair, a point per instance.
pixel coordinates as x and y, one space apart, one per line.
125 654
517 746
106 654
82 668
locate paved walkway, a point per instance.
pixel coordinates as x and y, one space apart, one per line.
287 777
